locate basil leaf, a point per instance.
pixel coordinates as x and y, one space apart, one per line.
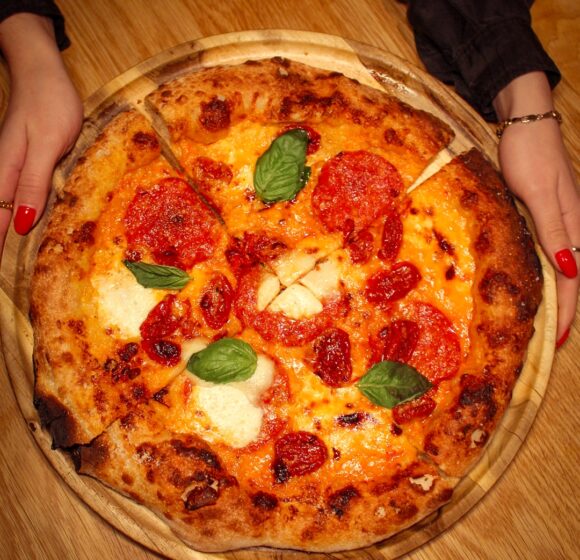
388 384
281 171
158 276
224 361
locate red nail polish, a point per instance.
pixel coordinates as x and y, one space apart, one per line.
567 263
563 338
24 219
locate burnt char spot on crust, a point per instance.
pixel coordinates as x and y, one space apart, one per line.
495 282
264 501
96 454
209 458
58 419
340 500
85 234
477 392
215 115
145 140
201 497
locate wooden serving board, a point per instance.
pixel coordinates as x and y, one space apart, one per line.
370 66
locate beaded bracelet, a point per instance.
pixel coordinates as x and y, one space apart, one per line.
527 120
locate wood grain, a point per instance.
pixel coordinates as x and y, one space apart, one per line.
516 519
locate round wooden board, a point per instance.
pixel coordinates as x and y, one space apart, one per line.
372 67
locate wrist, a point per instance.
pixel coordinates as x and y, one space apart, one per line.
525 95
28 43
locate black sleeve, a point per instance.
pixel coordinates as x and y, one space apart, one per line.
479 46
45 8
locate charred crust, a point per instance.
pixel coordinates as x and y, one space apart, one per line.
145 140
215 115
495 282
477 392
85 234
201 497
204 455
58 419
340 500
94 455
264 501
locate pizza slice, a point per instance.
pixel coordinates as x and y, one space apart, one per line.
114 303
277 458
296 160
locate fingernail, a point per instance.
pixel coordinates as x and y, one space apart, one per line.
567 263
24 219
563 338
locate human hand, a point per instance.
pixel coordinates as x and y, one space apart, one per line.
42 121
537 169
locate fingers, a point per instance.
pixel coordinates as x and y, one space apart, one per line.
567 301
33 185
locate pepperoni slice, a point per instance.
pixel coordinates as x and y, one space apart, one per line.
437 354
392 238
355 188
297 454
387 286
396 342
170 220
169 315
216 301
415 409
361 247
313 137
332 363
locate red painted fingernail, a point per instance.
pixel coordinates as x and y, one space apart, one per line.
563 338
24 219
567 263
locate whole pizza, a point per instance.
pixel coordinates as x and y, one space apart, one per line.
250 319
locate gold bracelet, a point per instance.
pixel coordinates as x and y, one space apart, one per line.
527 120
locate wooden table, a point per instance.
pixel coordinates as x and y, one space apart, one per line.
532 512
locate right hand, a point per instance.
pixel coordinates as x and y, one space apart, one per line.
42 121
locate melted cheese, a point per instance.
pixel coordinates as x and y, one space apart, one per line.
231 412
268 289
324 280
294 264
296 302
122 303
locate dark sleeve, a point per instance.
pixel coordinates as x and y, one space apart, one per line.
45 8
478 46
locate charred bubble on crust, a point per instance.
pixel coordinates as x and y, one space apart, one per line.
265 501
216 114
483 243
204 455
340 500
404 511
85 234
58 419
495 282
145 140
469 199
201 497
77 326
392 137
477 392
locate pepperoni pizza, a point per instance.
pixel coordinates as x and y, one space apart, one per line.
263 334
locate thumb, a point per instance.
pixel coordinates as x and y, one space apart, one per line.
33 186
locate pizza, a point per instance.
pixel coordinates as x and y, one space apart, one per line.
250 319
